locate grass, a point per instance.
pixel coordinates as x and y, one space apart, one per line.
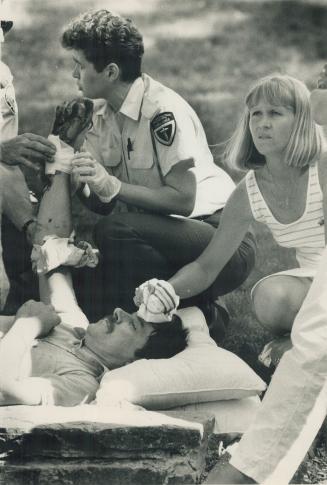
207 50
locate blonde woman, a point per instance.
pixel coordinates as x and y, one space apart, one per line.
281 146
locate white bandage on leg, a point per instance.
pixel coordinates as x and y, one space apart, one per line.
62 158
157 301
56 251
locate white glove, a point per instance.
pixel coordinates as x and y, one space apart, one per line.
157 301
87 169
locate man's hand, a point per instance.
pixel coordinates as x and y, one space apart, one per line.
42 317
88 170
27 149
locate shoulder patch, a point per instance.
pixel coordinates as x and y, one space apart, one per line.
164 128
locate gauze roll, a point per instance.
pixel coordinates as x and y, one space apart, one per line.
57 251
62 159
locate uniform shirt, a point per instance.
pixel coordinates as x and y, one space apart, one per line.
69 372
8 105
155 129
15 203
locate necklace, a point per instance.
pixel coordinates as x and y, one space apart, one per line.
283 193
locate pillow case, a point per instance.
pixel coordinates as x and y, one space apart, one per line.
202 372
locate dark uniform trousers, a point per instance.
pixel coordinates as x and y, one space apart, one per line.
136 247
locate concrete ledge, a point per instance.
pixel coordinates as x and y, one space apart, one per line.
91 444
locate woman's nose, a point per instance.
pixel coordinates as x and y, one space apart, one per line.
266 121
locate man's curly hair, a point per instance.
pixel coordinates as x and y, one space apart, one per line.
104 38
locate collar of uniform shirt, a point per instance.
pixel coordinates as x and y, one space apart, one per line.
132 103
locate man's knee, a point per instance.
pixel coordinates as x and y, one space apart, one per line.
112 228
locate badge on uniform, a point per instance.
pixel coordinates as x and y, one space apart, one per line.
164 128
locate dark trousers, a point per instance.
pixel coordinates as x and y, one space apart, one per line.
138 246
17 262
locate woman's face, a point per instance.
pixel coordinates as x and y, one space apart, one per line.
271 127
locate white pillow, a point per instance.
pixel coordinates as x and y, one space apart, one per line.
200 373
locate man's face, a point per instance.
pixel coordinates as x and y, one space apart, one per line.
93 84
117 337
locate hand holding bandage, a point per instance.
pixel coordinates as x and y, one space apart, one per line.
86 169
157 301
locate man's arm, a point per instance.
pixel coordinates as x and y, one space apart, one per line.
33 320
177 196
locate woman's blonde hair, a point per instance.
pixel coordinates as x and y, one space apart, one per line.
306 141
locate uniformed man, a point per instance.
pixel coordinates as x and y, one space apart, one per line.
15 150
148 164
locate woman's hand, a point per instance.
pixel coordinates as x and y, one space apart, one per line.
157 300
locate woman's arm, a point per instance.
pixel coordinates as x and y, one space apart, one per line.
198 275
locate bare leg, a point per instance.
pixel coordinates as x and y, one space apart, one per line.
277 301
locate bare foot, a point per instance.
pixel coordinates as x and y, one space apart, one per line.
221 474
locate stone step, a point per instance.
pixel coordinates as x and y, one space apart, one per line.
92 444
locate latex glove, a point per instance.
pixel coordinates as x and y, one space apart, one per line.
87 169
157 301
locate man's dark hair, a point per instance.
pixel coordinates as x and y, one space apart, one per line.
167 340
104 38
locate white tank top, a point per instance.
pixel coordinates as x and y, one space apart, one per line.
306 235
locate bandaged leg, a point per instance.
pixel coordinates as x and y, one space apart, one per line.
55 252
55 218
295 404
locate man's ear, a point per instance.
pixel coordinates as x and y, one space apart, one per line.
112 71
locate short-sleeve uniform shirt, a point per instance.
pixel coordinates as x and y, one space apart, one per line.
155 129
8 105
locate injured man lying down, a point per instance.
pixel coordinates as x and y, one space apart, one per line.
49 353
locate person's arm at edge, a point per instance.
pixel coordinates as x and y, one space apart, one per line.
200 274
